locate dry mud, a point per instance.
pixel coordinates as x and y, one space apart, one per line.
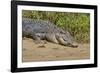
33 52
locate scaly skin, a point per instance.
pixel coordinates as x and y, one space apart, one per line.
44 30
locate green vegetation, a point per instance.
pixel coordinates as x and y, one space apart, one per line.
78 24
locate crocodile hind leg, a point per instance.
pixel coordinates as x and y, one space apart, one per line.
37 39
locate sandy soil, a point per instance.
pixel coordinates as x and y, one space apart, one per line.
51 52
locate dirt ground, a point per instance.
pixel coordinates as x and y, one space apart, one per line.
32 52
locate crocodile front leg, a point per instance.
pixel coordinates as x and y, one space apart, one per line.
51 37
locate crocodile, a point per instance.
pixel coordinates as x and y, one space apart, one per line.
38 30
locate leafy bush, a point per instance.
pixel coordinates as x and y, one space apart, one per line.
78 24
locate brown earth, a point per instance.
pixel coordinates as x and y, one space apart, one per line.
51 52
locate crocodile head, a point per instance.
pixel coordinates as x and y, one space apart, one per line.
67 38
